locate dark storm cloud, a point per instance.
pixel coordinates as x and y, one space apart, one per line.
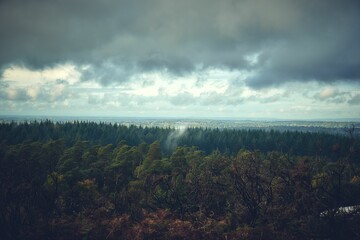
106 73
40 33
295 40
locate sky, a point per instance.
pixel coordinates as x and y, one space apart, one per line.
275 59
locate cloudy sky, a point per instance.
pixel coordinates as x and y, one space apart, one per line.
280 59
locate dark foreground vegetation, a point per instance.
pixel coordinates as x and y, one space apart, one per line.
100 181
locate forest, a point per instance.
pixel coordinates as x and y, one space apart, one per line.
86 180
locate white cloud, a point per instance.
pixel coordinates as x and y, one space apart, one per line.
20 76
33 92
12 93
328 92
206 93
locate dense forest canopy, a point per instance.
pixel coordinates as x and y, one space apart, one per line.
228 141
86 180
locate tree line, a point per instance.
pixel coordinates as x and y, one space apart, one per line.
70 181
207 139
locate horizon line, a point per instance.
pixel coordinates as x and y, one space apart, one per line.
180 118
